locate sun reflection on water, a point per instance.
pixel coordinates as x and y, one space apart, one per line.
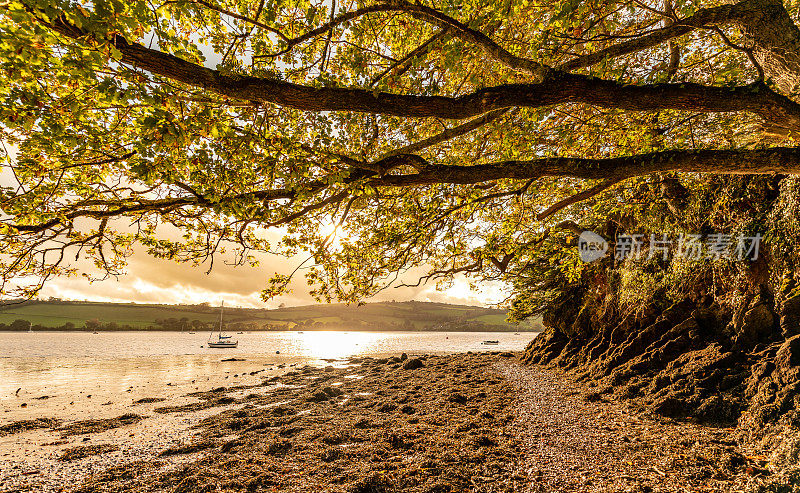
337 345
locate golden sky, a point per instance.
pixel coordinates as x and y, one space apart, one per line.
151 280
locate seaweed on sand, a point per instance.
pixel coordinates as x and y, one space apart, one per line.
189 448
81 451
346 444
28 424
99 425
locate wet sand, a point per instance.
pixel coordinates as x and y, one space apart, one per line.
437 423
99 397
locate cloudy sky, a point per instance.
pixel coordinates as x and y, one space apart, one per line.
151 280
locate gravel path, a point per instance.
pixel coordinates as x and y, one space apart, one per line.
580 445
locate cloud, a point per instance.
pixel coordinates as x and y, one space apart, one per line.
152 280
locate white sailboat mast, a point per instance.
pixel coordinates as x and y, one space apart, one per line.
221 308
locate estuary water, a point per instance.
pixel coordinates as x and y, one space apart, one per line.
66 374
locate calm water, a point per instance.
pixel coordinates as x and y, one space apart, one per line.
68 367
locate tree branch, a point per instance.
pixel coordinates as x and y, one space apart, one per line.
558 88
725 161
241 17
404 62
446 135
728 161
162 205
432 16
578 197
336 21
709 16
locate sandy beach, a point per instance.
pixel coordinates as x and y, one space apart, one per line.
418 423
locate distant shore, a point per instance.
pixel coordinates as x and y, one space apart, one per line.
61 315
199 331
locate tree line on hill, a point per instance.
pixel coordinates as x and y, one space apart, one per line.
395 316
169 324
186 325
21 324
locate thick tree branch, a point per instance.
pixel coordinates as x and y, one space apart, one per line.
725 161
766 23
733 161
776 41
558 88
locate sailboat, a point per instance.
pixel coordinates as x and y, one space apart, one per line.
222 341
30 327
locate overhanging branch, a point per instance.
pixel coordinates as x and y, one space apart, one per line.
725 161
578 197
704 17
557 88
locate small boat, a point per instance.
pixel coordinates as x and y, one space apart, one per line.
223 344
191 332
30 327
95 332
490 342
222 341
516 333
240 332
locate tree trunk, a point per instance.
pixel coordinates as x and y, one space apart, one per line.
776 41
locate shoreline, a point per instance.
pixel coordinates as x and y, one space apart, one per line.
250 331
50 370
459 422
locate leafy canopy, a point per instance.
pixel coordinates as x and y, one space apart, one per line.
375 136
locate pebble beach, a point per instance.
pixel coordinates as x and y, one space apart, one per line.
476 421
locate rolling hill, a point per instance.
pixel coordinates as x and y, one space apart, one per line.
406 316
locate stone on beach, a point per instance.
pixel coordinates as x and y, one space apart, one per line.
413 364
